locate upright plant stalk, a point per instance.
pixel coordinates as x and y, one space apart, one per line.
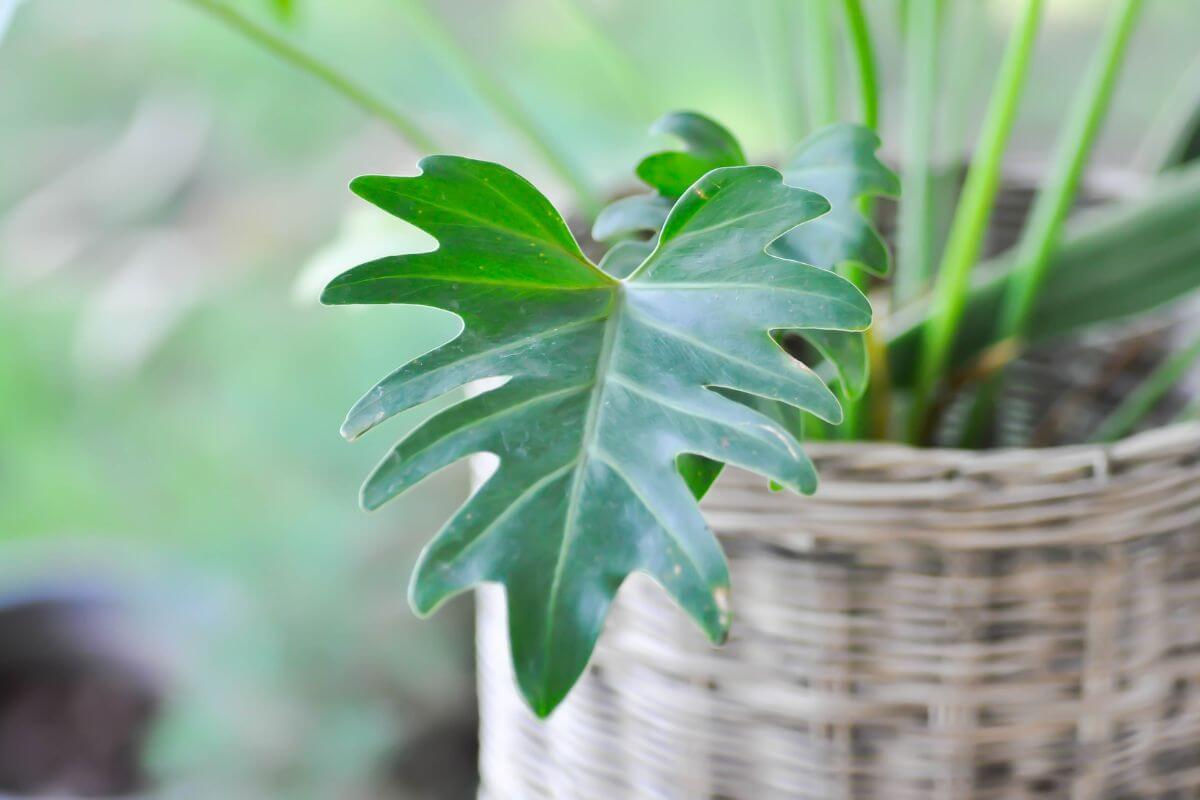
1054 201
502 102
1141 401
773 25
864 60
971 219
867 416
916 224
820 72
348 88
820 62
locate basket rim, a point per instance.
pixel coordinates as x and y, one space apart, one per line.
880 493
1168 441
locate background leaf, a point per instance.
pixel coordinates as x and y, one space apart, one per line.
707 146
839 163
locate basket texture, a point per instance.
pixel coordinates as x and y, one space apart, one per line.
1020 623
932 624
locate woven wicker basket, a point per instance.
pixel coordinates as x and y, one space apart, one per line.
1020 623
931 624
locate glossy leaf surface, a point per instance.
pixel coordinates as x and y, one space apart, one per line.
838 162
607 384
707 146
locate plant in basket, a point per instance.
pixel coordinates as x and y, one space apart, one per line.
727 323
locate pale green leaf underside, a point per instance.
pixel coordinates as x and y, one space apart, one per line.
608 383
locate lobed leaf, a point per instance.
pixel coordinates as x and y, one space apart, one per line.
839 162
608 385
707 146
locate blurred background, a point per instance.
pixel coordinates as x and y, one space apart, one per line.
191 602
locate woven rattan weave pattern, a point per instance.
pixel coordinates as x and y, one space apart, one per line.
932 624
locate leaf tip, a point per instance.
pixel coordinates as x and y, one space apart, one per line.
422 602
350 431
370 497
362 185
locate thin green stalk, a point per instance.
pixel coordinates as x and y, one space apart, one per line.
773 25
971 218
820 62
866 416
1056 198
864 59
1142 400
916 224
501 102
348 88
820 72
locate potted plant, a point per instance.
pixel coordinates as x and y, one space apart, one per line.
935 621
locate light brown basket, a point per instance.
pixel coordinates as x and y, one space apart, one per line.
1020 623
932 624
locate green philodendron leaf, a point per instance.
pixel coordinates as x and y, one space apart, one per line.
624 257
632 216
839 162
707 146
607 383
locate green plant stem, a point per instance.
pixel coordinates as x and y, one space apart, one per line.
820 72
502 102
773 25
971 219
820 62
1142 400
916 226
864 59
866 417
348 88
1044 229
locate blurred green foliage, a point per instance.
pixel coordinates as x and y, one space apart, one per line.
186 406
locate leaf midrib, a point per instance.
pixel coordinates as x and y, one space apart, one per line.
591 423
